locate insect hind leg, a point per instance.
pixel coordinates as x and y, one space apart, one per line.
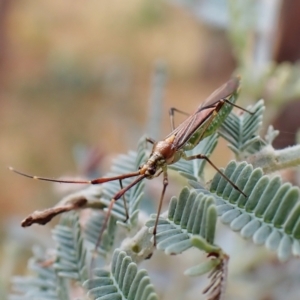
165 184
202 156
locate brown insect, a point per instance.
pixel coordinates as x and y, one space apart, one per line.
203 122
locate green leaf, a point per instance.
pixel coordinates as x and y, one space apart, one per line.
44 284
202 244
71 253
202 268
125 164
93 228
193 213
270 213
124 281
241 131
103 193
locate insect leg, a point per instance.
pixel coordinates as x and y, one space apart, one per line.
150 140
171 115
202 156
124 201
237 106
117 196
165 184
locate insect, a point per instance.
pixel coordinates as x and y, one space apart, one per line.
203 122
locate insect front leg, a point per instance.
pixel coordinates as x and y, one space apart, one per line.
202 156
150 140
124 201
165 184
117 196
171 115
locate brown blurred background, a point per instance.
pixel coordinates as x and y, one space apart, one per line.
79 73
76 73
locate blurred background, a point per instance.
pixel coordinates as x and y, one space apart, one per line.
77 79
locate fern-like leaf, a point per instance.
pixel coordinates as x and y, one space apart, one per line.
93 227
71 253
122 165
44 285
124 281
241 131
103 193
192 213
270 214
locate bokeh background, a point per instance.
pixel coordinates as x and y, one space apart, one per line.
76 83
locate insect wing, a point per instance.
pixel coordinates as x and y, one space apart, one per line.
222 92
186 129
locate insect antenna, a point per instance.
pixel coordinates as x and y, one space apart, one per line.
48 179
93 181
118 195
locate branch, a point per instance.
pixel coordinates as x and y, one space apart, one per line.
271 160
72 202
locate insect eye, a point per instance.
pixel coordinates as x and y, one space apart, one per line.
151 170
